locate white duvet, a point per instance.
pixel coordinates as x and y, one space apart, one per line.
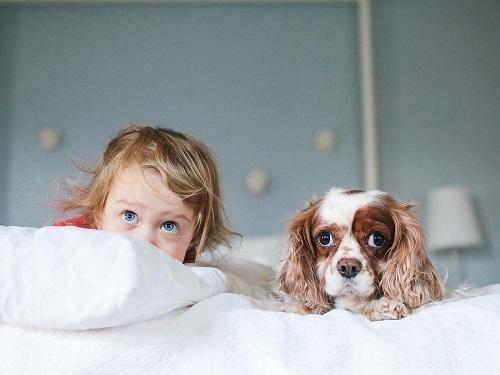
229 334
232 333
73 278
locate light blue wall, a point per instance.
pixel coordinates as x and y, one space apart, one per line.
7 35
438 72
255 82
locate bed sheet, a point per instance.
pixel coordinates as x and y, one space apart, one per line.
232 333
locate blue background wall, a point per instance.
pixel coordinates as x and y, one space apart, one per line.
438 72
256 82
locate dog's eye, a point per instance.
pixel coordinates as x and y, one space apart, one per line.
325 239
376 240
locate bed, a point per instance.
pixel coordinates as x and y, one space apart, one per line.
221 322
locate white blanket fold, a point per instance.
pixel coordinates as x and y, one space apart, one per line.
73 278
229 334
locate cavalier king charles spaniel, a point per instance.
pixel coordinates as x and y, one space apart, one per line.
361 251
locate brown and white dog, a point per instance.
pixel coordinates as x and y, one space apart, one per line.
361 251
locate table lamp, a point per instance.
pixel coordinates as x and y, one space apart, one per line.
452 224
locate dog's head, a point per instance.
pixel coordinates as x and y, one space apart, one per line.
357 243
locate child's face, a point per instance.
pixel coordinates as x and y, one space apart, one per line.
142 206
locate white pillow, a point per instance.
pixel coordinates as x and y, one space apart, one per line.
74 278
251 264
264 250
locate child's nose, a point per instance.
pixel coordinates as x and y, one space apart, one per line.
147 234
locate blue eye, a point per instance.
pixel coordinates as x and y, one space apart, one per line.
130 217
169 226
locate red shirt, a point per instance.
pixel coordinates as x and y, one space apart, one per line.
79 221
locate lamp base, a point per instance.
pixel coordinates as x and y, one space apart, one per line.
454 267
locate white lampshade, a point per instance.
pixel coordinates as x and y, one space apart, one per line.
451 220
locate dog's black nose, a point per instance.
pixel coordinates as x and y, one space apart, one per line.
349 267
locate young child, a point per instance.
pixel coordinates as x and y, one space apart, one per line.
155 184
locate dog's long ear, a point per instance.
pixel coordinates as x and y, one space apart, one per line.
297 277
408 274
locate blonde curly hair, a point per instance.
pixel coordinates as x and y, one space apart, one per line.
187 168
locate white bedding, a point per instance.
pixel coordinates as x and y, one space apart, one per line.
229 333
73 278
